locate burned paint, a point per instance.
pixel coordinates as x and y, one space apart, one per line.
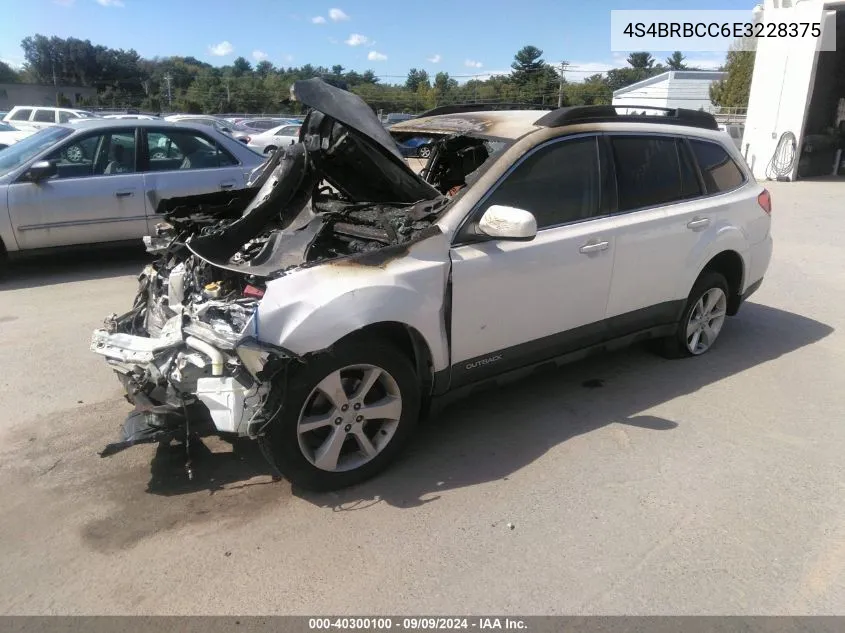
382 257
505 125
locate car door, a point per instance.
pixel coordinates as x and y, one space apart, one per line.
185 162
96 196
518 302
43 117
659 196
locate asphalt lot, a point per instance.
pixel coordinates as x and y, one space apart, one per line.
634 485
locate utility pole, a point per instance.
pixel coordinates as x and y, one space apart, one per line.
560 85
168 78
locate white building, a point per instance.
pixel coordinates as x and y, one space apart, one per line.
797 97
673 89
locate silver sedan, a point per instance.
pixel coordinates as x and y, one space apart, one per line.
101 180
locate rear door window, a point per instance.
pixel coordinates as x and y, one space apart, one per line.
649 172
180 149
718 169
45 116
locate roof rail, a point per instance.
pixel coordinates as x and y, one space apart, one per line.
480 107
609 113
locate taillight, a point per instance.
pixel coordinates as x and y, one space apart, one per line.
765 201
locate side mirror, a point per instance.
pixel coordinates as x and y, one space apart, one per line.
508 223
42 170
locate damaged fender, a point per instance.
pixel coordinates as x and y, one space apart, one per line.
312 308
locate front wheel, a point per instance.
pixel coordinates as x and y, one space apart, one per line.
703 318
346 415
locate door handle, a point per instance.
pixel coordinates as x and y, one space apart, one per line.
593 247
123 194
227 185
698 223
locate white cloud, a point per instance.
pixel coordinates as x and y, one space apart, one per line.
260 56
319 19
222 49
337 15
704 63
64 3
356 39
435 59
110 3
471 63
375 56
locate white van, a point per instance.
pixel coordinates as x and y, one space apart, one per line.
38 117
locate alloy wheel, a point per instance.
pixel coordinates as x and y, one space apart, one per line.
349 418
705 320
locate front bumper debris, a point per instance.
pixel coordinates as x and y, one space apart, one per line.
163 376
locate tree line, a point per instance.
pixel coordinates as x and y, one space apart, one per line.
124 79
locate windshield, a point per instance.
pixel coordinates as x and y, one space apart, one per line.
13 157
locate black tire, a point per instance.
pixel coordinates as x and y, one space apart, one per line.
280 443
424 151
675 346
269 149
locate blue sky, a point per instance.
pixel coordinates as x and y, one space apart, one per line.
462 37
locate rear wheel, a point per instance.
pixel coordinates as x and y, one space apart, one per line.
703 318
346 415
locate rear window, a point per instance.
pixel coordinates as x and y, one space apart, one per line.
649 172
45 116
21 115
718 169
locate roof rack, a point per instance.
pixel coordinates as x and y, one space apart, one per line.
609 113
480 107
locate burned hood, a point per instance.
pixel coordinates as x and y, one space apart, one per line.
357 154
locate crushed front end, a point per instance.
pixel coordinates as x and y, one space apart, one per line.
191 348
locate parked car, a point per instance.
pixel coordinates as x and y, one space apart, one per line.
735 131
97 181
260 125
269 141
143 117
325 319
10 135
396 117
39 117
221 125
414 145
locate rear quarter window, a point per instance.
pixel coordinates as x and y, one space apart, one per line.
718 169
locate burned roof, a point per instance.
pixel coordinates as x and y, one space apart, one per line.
504 124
